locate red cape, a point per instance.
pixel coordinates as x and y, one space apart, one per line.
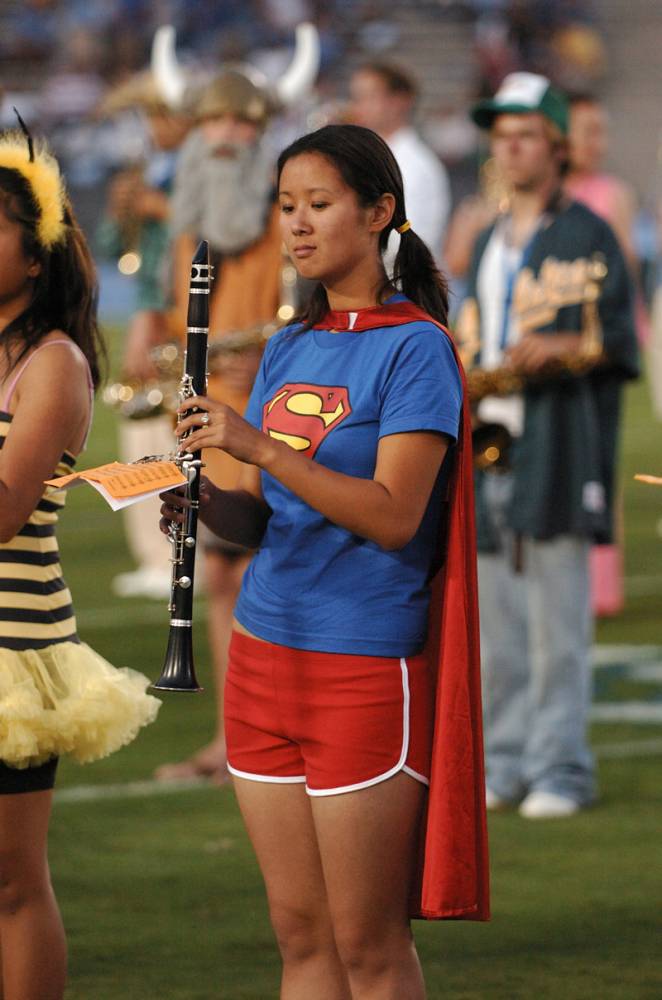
454 870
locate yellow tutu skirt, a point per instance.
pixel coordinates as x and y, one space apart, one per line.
66 699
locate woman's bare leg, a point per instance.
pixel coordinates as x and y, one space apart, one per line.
31 934
280 824
368 841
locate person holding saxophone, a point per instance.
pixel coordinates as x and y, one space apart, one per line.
356 488
547 327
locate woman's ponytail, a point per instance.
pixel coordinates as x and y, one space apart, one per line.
417 276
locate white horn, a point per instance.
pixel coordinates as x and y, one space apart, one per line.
168 74
301 74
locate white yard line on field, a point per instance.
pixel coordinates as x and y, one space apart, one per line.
640 712
129 790
604 655
631 748
149 789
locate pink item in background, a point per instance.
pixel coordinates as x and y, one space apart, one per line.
607 591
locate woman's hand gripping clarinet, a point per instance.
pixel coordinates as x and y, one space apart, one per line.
178 672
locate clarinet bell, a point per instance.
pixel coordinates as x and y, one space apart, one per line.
178 672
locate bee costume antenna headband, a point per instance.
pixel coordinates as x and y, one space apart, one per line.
39 167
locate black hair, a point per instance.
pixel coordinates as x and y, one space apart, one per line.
368 167
65 295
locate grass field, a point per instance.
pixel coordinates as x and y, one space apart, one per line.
160 893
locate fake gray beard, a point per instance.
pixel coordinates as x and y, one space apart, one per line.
222 199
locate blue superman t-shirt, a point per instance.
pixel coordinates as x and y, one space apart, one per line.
333 395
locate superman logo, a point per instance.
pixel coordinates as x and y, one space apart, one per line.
302 415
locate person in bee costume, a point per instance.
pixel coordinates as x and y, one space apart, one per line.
549 299
224 193
57 696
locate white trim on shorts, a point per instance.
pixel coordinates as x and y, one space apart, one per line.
400 766
414 774
297 779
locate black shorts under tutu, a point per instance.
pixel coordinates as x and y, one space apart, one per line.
15 780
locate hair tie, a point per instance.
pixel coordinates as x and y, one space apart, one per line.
404 227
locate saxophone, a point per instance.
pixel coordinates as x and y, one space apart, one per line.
537 305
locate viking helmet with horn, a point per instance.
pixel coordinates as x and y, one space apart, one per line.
151 90
240 90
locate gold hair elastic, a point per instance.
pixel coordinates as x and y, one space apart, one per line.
42 173
404 227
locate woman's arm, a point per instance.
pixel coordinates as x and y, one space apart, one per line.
386 509
51 413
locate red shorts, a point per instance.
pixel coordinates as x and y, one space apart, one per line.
335 721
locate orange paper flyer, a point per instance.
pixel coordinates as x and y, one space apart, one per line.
122 484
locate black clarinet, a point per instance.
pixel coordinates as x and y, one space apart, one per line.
178 672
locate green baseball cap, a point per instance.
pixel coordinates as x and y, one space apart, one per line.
524 93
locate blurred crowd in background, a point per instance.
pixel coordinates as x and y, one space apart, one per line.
60 58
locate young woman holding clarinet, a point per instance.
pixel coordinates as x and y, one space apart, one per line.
352 699
56 694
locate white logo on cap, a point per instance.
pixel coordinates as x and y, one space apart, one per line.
526 89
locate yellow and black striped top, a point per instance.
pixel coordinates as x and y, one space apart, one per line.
35 603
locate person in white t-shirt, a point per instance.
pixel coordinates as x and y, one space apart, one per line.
382 98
